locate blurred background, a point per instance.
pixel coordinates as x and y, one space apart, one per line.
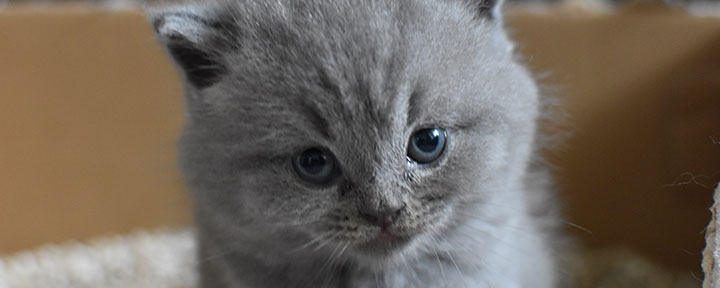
91 109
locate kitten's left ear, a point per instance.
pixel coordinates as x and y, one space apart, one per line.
194 37
489 9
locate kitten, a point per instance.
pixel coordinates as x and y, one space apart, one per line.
343 143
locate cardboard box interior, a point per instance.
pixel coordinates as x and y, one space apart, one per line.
91 109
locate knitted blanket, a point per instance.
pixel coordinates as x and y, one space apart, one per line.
143 260
165 259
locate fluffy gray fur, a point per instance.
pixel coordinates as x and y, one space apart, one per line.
265 80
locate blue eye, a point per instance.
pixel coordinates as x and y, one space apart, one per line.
427 145
314 165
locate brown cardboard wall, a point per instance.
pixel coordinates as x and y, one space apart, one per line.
642 93
89 115
91 109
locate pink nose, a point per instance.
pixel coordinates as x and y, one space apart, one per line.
381 218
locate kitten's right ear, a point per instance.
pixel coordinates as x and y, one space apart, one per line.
489 9
192 38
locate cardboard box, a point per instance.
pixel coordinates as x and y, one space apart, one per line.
90 110
642 92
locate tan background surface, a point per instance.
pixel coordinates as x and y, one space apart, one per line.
90 109
642 90
89 113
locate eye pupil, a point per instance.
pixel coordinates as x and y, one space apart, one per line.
315 165
313 161
427 141
427 145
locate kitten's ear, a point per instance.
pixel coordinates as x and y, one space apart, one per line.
192 38
486 8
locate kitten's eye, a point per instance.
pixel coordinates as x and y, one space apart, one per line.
427 145
315 165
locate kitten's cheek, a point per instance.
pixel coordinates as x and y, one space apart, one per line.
494 154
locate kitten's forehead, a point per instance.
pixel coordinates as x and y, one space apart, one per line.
325 52
345 63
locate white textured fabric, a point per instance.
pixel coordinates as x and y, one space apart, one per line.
143 260
711 255
165 259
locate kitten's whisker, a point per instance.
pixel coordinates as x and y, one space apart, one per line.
218 255
334 267
485 264
473 263
581 228
327 241
294 224
449 254
327 262
437 256
405 262
311 242
501 241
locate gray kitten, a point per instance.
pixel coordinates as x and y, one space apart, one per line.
349 143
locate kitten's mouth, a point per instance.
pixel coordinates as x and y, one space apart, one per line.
383 243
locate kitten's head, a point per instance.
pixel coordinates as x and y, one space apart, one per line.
370 125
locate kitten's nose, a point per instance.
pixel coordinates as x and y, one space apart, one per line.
381 218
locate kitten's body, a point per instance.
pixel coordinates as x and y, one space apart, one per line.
267 79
